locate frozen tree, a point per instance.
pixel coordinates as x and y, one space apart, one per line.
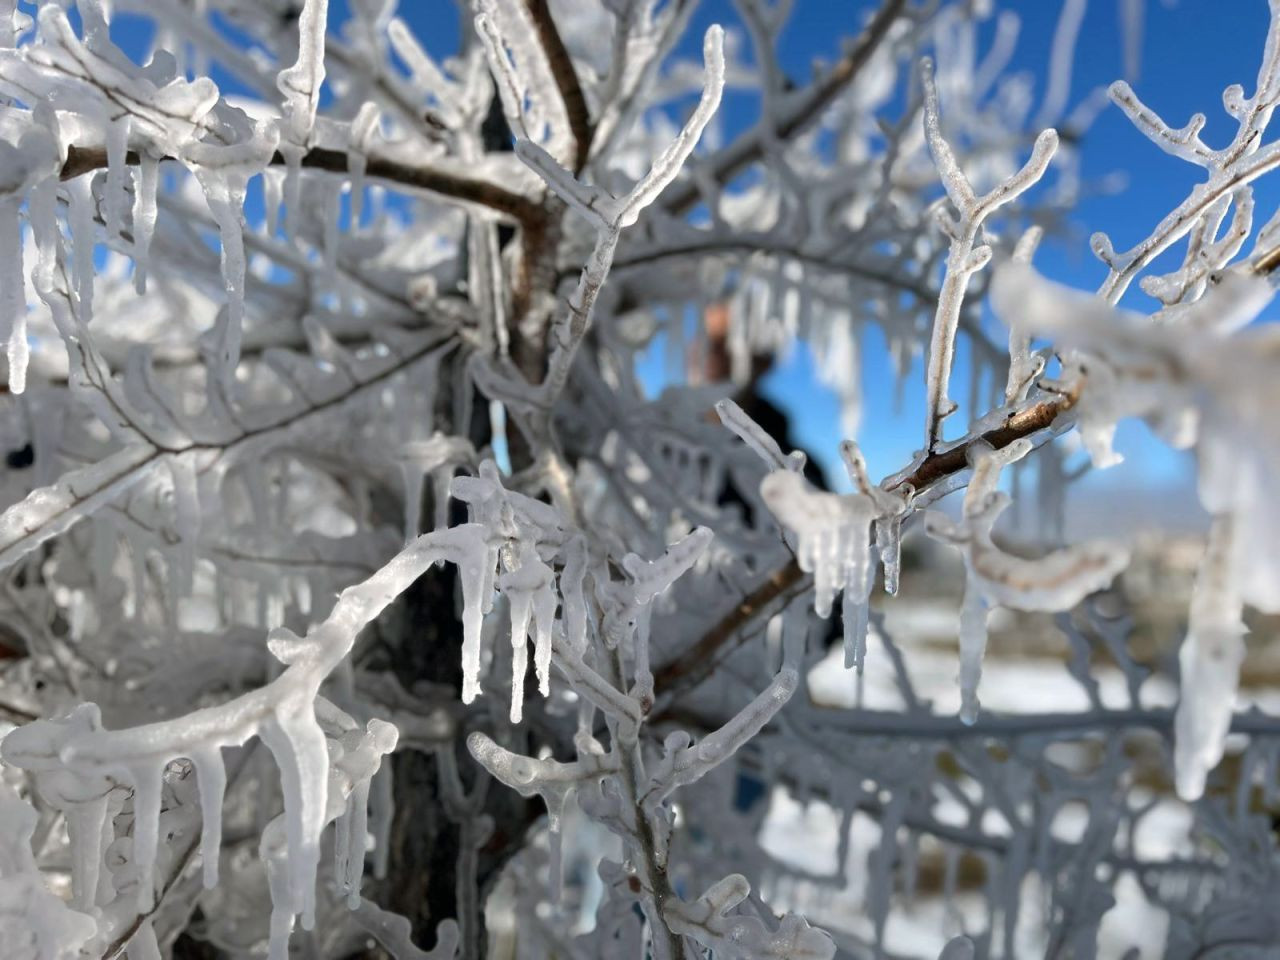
359 600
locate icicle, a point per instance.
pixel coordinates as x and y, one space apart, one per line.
13 300
351 866
292 189
42 211
186 523
363 128
145 182
973 647
520 602
412 473
298 744
384 811
273 197
342 845
224 192
143 945
330 241
1210 661
833 533
474 579
80 219
498 433
147 777
85 825
950 875
889 547
855 606
117 167
544 611
211 780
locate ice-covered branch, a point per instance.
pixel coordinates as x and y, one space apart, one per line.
966 255
707 921
282 714
1229 169
608 215
1056 581
684 762
392 932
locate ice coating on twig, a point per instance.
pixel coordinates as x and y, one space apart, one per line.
684 762
707 921
966 255
392 932
300 83
549 779
736 419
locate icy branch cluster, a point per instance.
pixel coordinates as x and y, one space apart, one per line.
360 596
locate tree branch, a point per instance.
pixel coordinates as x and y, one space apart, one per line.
566 77
446 184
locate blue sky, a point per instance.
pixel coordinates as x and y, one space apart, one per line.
1191 50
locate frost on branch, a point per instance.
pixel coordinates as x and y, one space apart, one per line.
1056 581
